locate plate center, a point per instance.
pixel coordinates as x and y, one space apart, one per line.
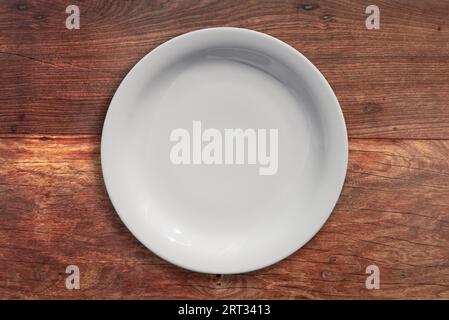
233 106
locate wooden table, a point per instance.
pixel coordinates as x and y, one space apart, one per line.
55 88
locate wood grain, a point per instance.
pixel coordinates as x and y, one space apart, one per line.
55 88
54 211
391 82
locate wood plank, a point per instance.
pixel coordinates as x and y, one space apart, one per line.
54 211
390 82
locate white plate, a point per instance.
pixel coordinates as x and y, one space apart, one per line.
237 216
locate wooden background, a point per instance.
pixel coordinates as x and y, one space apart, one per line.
55 88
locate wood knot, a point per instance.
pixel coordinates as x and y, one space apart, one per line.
310 6
219 278
23 6
327 17
372 108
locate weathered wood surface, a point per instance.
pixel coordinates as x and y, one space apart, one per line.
391 82
54 211
55 87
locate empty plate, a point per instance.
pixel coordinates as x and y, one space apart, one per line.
224 150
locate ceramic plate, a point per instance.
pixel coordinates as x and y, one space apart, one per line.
224 150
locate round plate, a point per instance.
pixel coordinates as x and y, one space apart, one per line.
224 150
